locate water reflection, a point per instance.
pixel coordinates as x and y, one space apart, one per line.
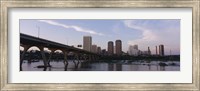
110 67
103 66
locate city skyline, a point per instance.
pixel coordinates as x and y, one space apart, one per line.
141 32
87 43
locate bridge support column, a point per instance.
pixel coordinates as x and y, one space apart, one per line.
50 55
30 57
76 58
85 57
26 47
43 57
65 60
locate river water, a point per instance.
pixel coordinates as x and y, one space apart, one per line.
124 65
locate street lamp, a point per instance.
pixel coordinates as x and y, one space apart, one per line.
38 31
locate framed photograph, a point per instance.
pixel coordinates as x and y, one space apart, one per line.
99 45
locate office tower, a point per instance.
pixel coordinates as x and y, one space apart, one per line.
161 50
145 53
110 48
135 47
133 50
99 50
87 43
118 47
149 51
103 52
156 51
94 48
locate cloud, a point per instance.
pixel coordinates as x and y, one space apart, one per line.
147 34
155 32
76 28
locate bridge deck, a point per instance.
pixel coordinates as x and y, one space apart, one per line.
35 41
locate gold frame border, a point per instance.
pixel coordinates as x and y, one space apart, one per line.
6 4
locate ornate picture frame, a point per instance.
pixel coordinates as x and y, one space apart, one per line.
7 4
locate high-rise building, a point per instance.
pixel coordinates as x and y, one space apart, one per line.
99 50
94 48
133 50
161 50
118 47
87 43
145 53
156 51
149 51
110 48
103 52
135 47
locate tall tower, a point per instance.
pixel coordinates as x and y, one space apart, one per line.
118 47
149 51
94 48
135 47
156 51
133 50
87 43
161 50
110 48
99 50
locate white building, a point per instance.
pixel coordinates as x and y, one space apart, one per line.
133 50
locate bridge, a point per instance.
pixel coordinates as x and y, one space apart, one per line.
27 41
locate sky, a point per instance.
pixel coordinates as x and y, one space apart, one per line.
142 32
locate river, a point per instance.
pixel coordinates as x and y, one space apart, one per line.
124 65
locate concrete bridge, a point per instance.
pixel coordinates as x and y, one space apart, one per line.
27 41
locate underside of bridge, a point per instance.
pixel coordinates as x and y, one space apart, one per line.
27 41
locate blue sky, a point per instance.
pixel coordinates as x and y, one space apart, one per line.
143 32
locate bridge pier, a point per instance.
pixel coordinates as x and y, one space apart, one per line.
50 55
76 58
26 47
65 60
30 57
43 57
85 57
